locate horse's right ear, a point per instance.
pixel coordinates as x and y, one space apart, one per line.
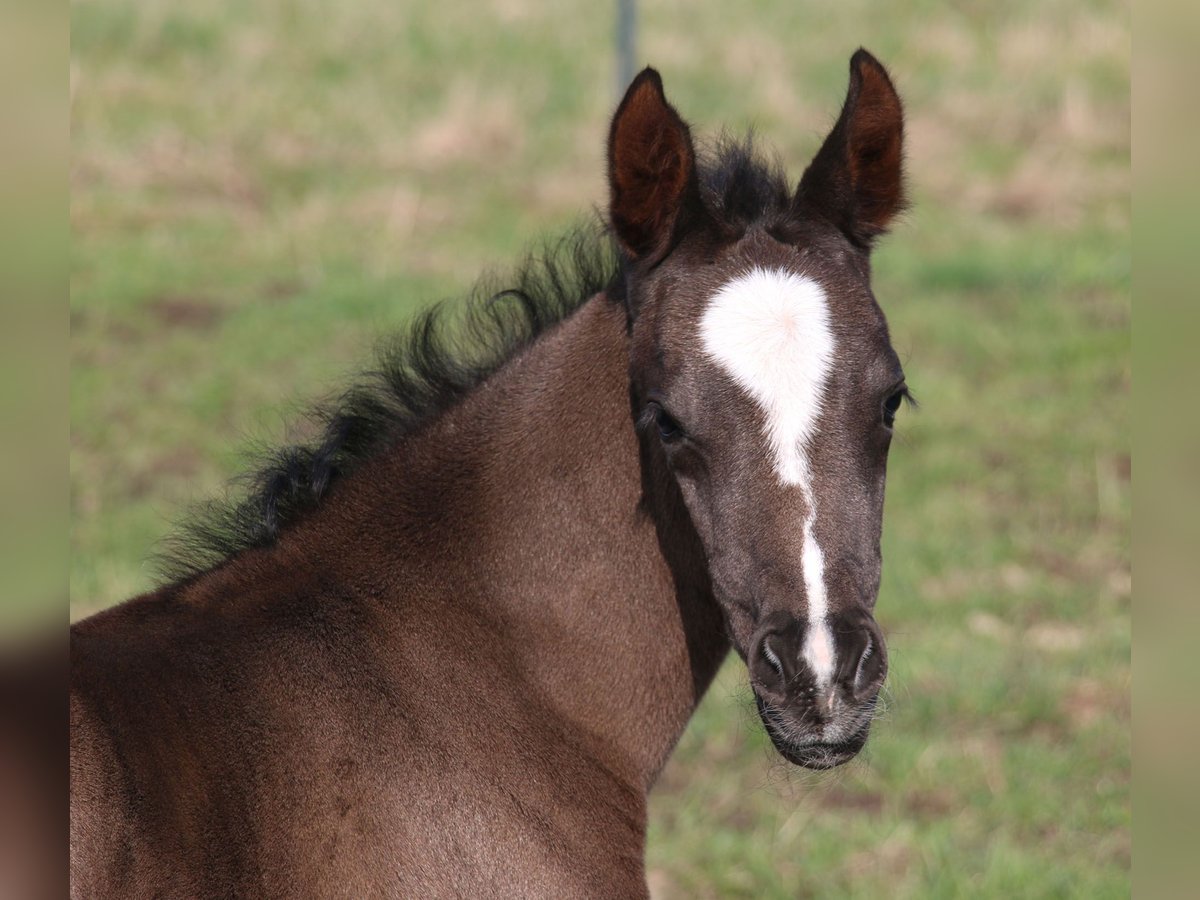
651 170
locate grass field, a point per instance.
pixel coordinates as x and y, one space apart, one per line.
261 188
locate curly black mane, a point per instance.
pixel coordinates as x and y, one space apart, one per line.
446 352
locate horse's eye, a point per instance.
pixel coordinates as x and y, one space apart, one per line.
668 428
890 407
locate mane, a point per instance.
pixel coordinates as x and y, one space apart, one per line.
428 366
742 185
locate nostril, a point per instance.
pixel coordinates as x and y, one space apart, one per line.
769 665
859 683
872 666
772 659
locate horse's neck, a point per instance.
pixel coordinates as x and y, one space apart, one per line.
576 545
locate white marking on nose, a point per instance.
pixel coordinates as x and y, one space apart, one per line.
819 651
769 329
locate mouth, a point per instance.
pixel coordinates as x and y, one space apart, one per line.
818 755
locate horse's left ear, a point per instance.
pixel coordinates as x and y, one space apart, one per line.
856 179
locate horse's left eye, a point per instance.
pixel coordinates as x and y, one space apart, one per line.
891 406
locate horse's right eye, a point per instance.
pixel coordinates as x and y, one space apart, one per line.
668 429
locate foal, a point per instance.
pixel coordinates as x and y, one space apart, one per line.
446 650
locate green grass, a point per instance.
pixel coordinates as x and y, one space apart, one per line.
260 189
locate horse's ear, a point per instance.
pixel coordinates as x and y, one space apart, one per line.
856 179
651 170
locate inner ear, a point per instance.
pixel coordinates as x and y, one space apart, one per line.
651 169
856 180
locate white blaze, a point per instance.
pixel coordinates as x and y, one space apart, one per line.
769 329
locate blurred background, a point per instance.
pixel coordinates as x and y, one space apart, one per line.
260 188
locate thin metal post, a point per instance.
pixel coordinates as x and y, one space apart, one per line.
625 44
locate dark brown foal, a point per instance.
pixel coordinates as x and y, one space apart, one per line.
446 650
